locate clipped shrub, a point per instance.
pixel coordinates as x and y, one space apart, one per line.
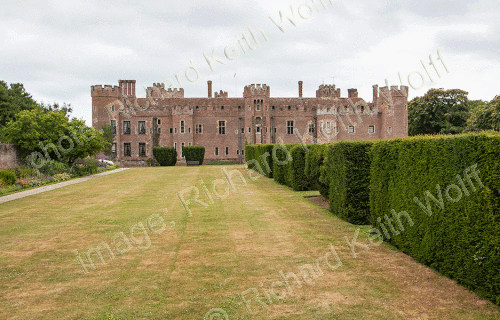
314 162
348 168
218 163
7 177
443 194
166 156
297 177
281 160
84 167
194 153
53 167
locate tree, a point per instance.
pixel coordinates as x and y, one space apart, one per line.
438 111
486 116
13 100
42 136
107 133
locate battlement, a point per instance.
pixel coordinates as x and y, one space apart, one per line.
394 91
106 91
327 91
158 91
221 94
257 89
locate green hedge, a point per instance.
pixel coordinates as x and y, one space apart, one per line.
194 153
166 156
312 170
7 177
282 159
296 173
459 236
348 167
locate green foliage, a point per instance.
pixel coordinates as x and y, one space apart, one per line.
297 175
458 234
152 162
62 177
84 167
166 156
53 167
13 100
281 163
485 116
348 168
438 111
43 136
25 172
194 153
7 177
314 161
107 134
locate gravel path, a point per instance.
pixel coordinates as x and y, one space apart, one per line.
30 192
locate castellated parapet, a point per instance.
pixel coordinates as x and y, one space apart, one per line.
158 91
221 94
106 91
257 90
327 91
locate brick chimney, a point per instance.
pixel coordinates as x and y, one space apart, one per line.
352 93
209 88
300 89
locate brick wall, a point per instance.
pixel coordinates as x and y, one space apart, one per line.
9 156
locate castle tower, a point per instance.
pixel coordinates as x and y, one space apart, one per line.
393 103
257 113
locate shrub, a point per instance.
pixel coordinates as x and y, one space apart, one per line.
152 162
61 177
53 167
166 156
218 163
456 234
85 167
297 176
194 153
7 177
25 172
348 168
280 161
314 162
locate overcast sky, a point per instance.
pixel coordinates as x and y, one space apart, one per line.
58 49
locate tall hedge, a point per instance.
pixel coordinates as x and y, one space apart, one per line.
194 153
443 216
282 160
313 162
348 168
298 178
166 156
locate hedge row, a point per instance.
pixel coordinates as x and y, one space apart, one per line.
166 156
445 193
194 153
436 198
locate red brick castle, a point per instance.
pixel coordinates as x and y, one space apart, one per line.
221 124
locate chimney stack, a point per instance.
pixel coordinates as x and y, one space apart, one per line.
300 89
352 93
209 88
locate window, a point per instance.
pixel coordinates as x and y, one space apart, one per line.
182 149
159 121
242 152
371 129
222 127
189 129
113 149
141 127
175 146
227 151
257 129
189 144
171 130
257 107
351 129
289 127
272 107
182 126
289 107
198 128
113 127
197 107
216 151
274 130
222 107
249 108
389 129
237 152
242 130
127 150
175 130
239 107
142 149
113 108
311 127
249 130
126 127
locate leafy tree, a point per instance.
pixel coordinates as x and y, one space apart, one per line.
43 136
486 116
438 111
107 133
65 108
13 100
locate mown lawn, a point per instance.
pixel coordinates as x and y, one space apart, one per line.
214 259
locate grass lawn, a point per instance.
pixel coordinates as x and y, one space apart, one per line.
216 260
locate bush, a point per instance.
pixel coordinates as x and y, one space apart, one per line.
152 162
61 177
218 163
314 161
7 177
194 153
166 156
280 162
53 167
458 233
348 168
24 172
297 176
85 167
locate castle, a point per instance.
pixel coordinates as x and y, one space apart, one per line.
222 124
